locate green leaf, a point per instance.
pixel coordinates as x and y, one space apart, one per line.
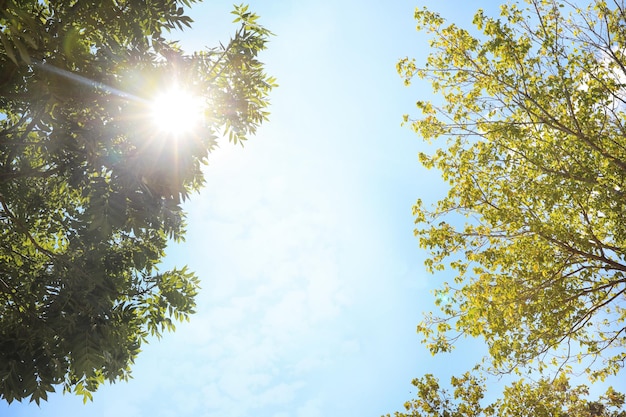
7 47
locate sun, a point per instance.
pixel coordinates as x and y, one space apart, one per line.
176 111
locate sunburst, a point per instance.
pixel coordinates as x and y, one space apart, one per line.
176 111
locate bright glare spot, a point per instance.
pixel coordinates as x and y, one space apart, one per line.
176 111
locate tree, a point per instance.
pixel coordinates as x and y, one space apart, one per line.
90 189
531 132
543 398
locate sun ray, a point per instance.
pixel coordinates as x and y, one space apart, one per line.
86 81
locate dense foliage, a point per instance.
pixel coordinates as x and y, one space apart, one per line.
535 155
530 135
90 191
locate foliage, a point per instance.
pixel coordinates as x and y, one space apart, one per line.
543 398
90 192
531 133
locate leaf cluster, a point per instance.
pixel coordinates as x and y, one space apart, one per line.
543 398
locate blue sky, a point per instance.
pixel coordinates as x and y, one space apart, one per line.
312 282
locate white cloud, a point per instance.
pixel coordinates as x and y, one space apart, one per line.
311 408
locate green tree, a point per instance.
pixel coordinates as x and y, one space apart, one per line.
531 140
90 190
543 398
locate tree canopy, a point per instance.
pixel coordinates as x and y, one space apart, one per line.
531 133
91 189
